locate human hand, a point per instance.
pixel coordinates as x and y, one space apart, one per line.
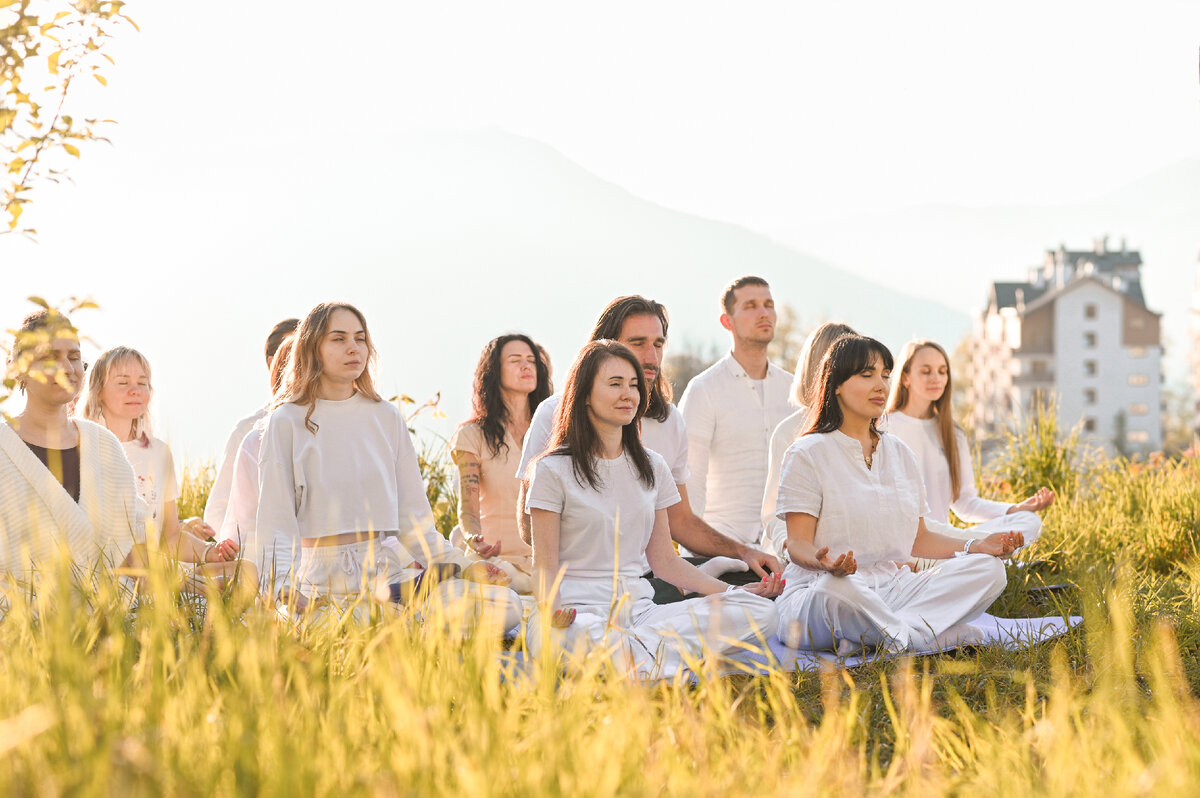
999 544
770 587
485 573
844 565
760 562
196 527
225 551
561 619
482 547
1036 503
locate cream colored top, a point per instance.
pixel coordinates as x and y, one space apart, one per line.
498 488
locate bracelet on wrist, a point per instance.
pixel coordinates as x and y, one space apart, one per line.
967 547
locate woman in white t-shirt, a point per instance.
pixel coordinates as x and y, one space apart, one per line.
804 384
511 380
118 396
853 502
598 502
918 413
338 473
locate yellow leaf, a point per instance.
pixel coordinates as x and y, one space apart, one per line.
7 3
71 149
100 78
14 214
37 300
15 165
52 61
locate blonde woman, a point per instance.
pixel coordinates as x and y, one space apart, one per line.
338 473
118 396
919 413
804 385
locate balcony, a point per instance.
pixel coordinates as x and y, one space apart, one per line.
1034 378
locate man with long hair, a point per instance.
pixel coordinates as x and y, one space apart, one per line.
641 324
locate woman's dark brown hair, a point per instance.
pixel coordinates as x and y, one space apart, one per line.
849 355
574 434
490 412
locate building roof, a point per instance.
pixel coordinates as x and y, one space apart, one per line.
1005 294
1118 271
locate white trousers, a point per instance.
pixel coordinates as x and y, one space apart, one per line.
898 610
353 570
1027 523
651 640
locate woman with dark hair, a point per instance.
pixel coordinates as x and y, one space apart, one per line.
598 500
804 385
338 474
918 413
511 380
65 485
853 501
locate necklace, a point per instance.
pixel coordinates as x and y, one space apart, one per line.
869 457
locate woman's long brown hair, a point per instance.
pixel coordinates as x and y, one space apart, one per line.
303 377
574 434
947 429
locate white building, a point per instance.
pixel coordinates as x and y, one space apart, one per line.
1077 331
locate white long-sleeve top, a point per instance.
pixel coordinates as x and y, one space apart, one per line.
218 497
729 425
357 473
873 511
921 435
775 530
668 438
242 506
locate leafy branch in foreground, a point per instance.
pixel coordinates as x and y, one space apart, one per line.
45 45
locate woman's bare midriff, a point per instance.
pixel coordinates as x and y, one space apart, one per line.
341 540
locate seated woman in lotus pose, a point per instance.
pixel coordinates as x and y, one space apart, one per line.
598 503
853 501
338 473
118 396
511 380
65 485
918 413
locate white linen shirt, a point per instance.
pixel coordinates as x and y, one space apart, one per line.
775 530
667 438
602 528
357 473
875 512
729 426
922 436
218 497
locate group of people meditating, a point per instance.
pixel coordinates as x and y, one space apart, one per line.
813 507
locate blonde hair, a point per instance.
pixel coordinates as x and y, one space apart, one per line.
947 429
808 365
302 379
93 410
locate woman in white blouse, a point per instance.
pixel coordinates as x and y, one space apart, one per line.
118 396
598 503
918 413
853 502
338 472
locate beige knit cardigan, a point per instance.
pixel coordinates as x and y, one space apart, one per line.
38 518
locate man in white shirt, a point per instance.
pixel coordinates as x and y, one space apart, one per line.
641 324
218 496
730 410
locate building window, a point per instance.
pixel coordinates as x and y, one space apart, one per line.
1089 425
1138 380
1138 436
1139 409
1089 311
1089 340
1089 368
1089 396
1137 351
1039 368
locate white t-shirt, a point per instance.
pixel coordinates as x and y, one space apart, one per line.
729 430
155 471
667 438
922 436
357 473
874 512
242 506
218 496
587 545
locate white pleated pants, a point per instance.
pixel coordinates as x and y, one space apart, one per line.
651 640
897 610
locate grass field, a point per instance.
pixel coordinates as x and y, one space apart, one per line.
185 699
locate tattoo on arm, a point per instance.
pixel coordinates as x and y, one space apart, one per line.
469 476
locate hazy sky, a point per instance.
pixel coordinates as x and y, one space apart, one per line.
757 114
